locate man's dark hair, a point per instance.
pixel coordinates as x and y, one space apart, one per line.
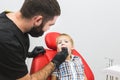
46 8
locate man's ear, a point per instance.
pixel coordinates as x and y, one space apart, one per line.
37 20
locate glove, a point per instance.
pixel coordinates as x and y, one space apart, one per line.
37 50
60 57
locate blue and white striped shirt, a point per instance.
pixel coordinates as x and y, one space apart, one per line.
70 69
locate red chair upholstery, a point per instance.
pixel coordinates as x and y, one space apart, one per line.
41 60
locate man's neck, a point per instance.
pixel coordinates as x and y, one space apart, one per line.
21 22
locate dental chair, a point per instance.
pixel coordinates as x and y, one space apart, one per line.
42 60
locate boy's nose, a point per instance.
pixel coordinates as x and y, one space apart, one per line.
63 45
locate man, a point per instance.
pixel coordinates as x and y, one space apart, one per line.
34 18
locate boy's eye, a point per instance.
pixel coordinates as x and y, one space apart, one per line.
66 41
59 42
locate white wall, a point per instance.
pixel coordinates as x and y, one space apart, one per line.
94 26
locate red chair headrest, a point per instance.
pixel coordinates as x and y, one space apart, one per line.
50 40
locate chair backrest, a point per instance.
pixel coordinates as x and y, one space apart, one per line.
41 60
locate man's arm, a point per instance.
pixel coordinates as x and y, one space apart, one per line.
48 69
43 74
40 75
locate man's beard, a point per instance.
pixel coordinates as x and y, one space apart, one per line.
37 31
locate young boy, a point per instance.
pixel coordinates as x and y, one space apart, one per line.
72 68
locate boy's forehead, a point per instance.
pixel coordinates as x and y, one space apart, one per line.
63 38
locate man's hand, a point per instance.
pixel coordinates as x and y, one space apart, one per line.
60 57
37 50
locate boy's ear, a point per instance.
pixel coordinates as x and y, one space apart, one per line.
72 48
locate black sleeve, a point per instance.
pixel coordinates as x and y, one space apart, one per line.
12 58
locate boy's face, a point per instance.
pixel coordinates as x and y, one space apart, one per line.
64 41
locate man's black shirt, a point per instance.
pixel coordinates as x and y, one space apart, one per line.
14 47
